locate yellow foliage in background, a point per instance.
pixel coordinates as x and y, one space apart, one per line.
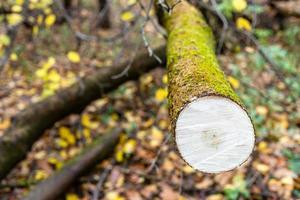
50 20
161 94
14 19
239 5
127 16
243 24
73 56
234 82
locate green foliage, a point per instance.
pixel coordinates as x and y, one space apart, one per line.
293 160
254 8
291 34
263 34
281 56
226 8
237 189
296 193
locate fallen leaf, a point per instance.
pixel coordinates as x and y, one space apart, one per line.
73 56
72 196
127 16
239 5
243 24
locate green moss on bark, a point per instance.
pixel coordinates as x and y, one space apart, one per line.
193 69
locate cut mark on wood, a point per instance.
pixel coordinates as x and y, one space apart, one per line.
214 134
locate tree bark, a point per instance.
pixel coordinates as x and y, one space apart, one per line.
59 182
288 8
104 14
30 124
204 110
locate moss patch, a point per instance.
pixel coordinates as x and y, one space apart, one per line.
193 69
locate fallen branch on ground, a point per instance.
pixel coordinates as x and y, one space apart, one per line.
289 8
31 123
60 181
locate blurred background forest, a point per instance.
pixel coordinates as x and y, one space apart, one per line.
47 45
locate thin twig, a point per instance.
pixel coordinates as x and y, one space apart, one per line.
85 37
145 40
153 163
12 33
125 71
249 35
103 177
224 27
272 64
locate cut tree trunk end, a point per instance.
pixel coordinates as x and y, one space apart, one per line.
212 130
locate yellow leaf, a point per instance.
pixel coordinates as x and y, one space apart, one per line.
234 82
262 168
73 56
50 20
52 86
161 94
188 169
50 62
263 147
287 180
39 19
113 196
72 196
127 16
19 2
243 23
40 73
40 175
66 134
35 30
47 11
156 137
14 19
215 197
129 146
47 93
87 133
61 143
16 8
165 79
63 154
163 124
239 5
40 155
55 162
131 2
119 156
262 110
53 76
4 124
4 40
13 57
86 121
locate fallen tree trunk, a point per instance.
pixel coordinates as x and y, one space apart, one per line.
289 8
59 182
30 124
212 130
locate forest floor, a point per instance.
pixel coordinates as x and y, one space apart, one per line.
145 164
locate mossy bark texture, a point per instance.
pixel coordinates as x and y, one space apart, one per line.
193 69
